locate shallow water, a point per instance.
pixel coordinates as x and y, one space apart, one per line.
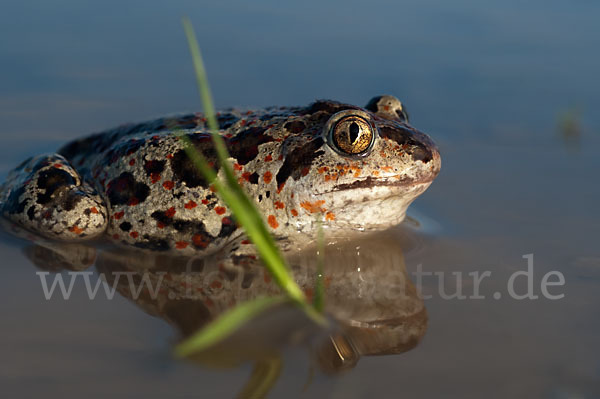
491 82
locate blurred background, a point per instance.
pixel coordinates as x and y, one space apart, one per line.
508 89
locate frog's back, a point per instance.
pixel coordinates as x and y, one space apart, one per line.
155 196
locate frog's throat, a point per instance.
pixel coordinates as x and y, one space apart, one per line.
373 207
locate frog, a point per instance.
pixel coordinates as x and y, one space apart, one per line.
340 166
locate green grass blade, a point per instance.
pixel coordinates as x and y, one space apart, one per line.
226 324
231 192
263 378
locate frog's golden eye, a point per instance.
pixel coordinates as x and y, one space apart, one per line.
352 135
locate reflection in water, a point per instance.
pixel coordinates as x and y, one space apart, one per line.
375 307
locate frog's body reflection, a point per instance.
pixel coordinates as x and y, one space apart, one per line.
375 306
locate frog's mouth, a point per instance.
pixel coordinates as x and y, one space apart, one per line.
372 203
370 182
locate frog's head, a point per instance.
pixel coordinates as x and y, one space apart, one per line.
359 167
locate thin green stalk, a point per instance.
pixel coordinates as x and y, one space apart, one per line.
242 207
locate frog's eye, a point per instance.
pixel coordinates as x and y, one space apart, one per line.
352 135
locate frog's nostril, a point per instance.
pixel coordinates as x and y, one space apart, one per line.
422 154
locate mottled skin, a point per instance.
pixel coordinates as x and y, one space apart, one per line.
136 185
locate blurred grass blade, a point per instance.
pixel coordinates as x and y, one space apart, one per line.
263 378
226 324
319 296
243 209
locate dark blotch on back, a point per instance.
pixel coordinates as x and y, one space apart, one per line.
154 166
295 126
298 159
125 188
52 180
244 145
253 178
185 170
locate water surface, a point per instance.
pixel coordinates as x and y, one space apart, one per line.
491 82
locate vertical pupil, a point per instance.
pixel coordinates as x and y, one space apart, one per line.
353 130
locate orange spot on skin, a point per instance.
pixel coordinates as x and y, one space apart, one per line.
170 212
268 158
94 209
119 215
237 166
280 157
220 210
327 177
279 205
280 187
266 277
132 162
134 234
323 169
272 221
154 177
168 185
304 171
212 188
181 244
267 177
246 176
160 225
375 173
294 212
133 201
313 207
216 284
169 156
383 154
199 241
386 168
190 205
76 229
330 216
245 242
205 201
